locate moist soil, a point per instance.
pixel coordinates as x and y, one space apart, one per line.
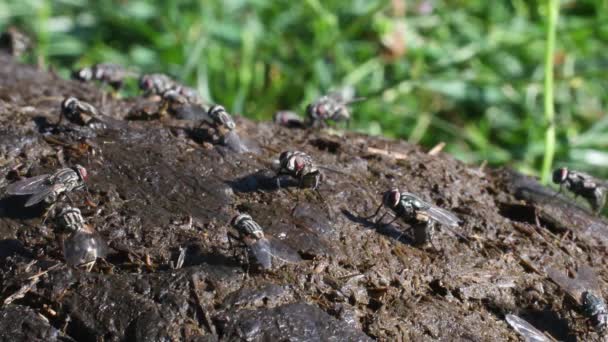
159 187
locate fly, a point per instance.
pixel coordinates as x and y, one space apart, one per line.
421 214
263 248
581 184
47 188
331 107
83 245
584 289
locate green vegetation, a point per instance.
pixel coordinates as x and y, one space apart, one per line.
467 72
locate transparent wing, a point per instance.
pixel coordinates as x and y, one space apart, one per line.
283 252
443 216
261 251
40 196
572 286
28 186
587 277
84 246
526 330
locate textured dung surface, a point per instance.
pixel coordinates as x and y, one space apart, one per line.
158 188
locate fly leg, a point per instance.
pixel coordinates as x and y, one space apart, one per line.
50 210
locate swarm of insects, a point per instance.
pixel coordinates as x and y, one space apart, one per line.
47 188
261 247
412 209
526 330
299 165
330 107
15 41
584 289
581 184
112 74
83 245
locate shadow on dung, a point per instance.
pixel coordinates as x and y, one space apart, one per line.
384 229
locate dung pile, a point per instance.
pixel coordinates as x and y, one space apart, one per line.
162 195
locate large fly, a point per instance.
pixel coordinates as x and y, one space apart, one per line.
47 188
264 249
413 209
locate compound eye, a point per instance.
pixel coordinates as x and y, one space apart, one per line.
83 172
560 175
322 109
299 164
395 197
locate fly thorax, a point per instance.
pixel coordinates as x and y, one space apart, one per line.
593 305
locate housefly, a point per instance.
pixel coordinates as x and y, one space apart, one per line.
264 249
413 209
83 245
331 107
112 74
584 289
80 113
158 84
219 117
581 184
299 165
47 188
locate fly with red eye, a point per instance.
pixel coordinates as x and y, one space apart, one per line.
592 189
299 165
415 211
330 107
48 188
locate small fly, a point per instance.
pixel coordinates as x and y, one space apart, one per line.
526 330
47 188
330 107
156 84
112 74
413 209
180 107
299 165
83 245
581 184
219 117
584 289
80 113
263 248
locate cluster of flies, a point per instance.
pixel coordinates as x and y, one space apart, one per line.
583 288
83 245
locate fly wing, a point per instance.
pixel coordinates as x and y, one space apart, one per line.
526 330
84 246
588 278
40 196
261 251
283 252
443 216
572 286
28 186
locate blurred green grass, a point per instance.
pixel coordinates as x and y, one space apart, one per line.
467 72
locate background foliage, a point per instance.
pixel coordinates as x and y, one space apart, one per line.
467 72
